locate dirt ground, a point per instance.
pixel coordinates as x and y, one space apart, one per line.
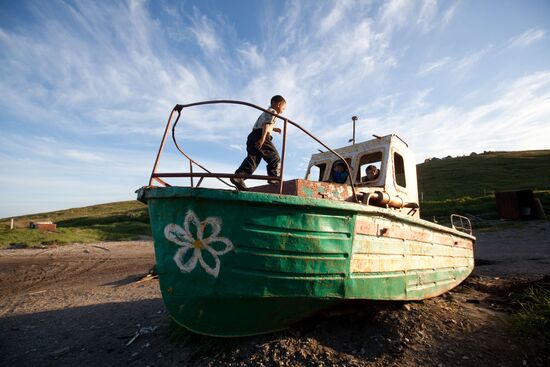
84 304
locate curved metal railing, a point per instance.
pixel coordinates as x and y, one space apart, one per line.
156 176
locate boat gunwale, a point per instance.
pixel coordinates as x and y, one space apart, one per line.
154 192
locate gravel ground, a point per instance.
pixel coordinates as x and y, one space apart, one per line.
85 304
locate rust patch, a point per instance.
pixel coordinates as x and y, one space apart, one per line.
368 263
365 227
310 189
388 230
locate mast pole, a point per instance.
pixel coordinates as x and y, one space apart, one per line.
352 140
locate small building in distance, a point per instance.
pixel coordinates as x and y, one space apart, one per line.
518 204
43 226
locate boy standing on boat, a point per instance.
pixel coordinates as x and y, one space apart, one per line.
259 145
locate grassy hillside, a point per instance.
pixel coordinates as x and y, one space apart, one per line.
466 185
482 174
126 220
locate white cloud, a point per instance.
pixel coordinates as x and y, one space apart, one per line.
395 13
459 66
251 55
236 147
205 32
78 155
428 11
515 119
450 13
432 66
527 38
114 72
468 61
336 14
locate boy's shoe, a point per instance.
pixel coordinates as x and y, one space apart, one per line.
239 183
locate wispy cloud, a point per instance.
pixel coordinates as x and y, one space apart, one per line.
395 13
432 66
471 59
527 38
450 12
82 156
95 82
252 56
205 32
236 147
335 16
514 119
118 80
459 66
428 12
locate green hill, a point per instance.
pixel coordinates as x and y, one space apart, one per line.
119 221
466 185
462 185
482 174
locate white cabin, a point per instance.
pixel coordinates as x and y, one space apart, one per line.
390 154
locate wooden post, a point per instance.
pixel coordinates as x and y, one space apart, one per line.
11 225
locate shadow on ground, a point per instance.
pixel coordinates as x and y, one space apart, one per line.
460 328
105 334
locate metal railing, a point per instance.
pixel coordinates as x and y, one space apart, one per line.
461 223
157 176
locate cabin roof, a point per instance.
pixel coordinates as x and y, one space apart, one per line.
352 150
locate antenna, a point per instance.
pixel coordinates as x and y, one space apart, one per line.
352 140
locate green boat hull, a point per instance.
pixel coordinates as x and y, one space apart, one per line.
243 263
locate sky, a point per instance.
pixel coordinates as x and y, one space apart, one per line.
87 86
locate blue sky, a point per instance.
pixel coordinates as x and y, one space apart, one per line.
87 86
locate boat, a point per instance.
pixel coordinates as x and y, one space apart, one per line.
238 263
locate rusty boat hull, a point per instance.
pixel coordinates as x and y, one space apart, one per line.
242 263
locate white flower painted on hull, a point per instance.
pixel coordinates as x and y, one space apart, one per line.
183 237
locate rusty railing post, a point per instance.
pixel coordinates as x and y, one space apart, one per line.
176 108
283 157
191 172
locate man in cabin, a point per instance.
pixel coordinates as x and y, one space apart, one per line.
259 145
372 173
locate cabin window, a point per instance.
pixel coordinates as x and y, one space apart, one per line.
317 172
371 159
399 165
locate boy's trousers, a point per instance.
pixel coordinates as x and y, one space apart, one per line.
268 152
